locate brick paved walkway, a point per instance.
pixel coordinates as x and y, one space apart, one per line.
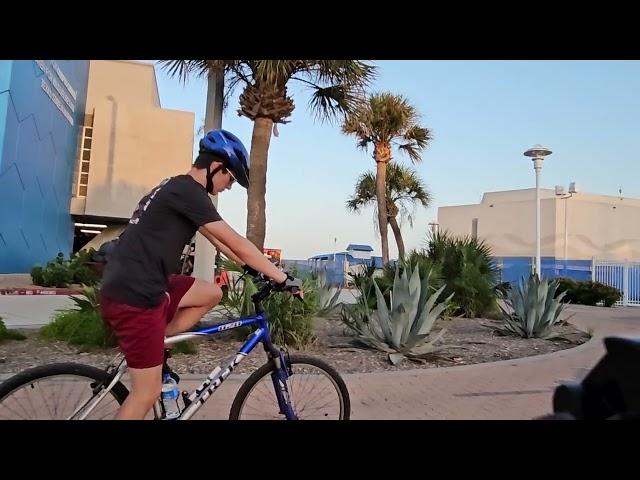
511 389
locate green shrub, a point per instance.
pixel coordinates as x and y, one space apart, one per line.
290 320
588 292
6 334
78 327
57 273
79 266
83 325
61 273
464 264
36 276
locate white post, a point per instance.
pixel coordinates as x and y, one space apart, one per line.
345 272
566 235
625 284
537 165
205 254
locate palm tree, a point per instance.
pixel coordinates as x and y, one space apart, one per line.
384 120
338 88
404 190
214 71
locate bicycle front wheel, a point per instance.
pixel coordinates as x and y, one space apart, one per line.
57 391
316 391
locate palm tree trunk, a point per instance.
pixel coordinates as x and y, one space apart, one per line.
396 233
256 205
381 182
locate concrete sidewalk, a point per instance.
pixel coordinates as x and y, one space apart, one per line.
31 311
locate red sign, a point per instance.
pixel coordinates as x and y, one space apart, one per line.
273 254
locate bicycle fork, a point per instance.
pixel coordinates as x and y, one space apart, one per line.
279 377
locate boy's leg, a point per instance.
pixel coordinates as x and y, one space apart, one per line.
146 386
194 299
140 333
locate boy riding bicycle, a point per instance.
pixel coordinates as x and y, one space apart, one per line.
142 299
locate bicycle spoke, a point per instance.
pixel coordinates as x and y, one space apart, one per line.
56 397
312 394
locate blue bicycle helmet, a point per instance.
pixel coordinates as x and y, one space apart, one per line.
230 150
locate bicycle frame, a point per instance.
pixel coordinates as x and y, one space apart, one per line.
203 392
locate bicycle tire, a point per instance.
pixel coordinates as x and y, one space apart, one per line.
32 375
266 369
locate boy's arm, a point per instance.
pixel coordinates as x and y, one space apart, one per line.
226 251
243 249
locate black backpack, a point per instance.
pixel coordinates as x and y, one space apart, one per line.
106 249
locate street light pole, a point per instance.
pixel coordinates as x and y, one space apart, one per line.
537 154
537 166
560 193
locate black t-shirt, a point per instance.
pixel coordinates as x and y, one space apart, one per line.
149 249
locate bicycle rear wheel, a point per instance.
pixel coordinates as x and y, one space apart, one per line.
56 391
316 390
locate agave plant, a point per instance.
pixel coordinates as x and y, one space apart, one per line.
327 294
533 309
404 329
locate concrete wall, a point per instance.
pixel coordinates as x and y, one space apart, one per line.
131 83
597 225
135 142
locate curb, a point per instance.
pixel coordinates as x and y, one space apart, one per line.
39 291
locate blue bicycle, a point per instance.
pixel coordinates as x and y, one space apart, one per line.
288 387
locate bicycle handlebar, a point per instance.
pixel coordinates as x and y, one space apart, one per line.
268 288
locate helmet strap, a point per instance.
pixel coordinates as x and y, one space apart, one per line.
210 176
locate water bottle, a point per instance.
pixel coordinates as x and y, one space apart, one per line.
170 395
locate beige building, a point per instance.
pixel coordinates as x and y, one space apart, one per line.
130 143
600 226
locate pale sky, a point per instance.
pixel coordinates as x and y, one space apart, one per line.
483 114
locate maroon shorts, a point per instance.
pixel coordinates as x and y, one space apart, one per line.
141 331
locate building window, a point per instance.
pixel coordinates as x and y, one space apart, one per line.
474 228
81 174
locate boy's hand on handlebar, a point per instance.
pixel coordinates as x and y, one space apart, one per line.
291 285
251 271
